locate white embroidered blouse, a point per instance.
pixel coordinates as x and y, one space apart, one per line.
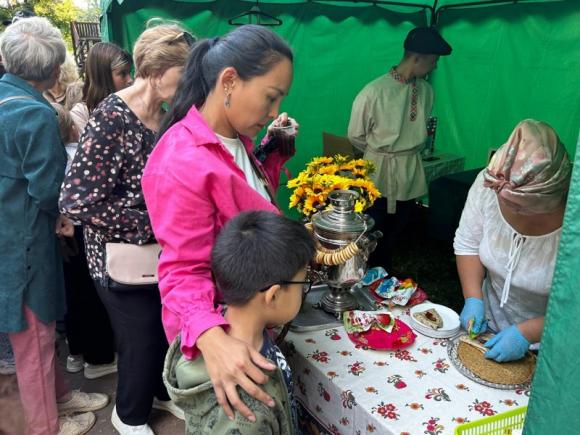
519 268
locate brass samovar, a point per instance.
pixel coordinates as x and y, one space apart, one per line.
344 242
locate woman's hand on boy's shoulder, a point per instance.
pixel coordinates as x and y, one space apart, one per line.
231 362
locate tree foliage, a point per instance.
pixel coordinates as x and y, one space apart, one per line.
59 12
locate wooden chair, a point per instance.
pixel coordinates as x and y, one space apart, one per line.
84 36
333 144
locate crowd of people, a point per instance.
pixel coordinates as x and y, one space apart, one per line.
168 157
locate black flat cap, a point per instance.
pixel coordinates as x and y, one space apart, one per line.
426 40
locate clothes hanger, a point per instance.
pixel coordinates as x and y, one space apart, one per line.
262 18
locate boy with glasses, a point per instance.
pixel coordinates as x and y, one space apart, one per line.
259 263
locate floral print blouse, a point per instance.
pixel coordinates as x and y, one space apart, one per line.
103 186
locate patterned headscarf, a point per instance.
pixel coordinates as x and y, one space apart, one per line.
531 171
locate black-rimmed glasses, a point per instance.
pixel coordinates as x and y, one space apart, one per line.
306 285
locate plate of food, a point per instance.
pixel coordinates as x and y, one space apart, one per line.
467 355
433 320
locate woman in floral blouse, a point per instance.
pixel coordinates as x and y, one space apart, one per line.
103 191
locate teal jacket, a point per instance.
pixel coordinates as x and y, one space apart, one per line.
189 386
32 162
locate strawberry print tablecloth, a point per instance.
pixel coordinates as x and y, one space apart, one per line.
417 390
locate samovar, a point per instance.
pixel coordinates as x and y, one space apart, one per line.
345 241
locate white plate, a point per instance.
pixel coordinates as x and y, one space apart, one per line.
450 319
435 333
420 327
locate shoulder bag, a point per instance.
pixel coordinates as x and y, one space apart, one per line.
132 267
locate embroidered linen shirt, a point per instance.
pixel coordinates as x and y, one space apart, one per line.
102 189
381 125
483 231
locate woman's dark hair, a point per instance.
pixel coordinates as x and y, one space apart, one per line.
102 59
252 50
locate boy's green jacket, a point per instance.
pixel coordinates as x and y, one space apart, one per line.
188 384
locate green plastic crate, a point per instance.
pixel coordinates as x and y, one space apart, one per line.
499 424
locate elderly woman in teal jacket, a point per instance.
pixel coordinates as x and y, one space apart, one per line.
32 162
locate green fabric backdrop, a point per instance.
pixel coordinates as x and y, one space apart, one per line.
336 53
509 62
555 399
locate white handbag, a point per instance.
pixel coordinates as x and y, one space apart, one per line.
132 267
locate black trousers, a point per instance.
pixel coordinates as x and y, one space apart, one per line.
88 328
141 348
391 225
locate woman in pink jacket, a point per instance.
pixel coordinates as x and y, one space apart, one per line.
202 173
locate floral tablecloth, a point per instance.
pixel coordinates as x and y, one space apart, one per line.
417 390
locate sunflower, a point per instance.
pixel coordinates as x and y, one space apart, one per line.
323 175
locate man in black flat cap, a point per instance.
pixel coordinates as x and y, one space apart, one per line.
389 123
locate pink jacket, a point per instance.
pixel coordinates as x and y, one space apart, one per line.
192 187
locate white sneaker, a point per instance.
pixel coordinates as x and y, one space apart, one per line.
83 402
125 429
77 424
74 363
7 367
169 406
94 371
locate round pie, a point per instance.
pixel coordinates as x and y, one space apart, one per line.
508 373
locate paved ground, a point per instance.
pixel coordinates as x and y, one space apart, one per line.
12 417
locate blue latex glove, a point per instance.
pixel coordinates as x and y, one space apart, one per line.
508 345
473 309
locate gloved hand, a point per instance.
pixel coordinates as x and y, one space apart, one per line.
508 345
473 309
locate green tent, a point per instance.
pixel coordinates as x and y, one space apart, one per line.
511 60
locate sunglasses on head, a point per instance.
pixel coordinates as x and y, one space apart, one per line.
184 36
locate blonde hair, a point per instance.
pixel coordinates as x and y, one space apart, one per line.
68 72
74 94
159 48
65 123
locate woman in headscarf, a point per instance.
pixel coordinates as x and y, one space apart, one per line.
508 237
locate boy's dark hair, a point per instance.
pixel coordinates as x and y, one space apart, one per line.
257 249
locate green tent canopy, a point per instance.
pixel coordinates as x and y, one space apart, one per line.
511 61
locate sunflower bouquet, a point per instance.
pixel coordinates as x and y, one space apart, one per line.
325 174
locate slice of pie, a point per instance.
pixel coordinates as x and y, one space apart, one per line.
430 318
477 342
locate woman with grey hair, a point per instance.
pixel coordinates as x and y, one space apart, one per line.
32 161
